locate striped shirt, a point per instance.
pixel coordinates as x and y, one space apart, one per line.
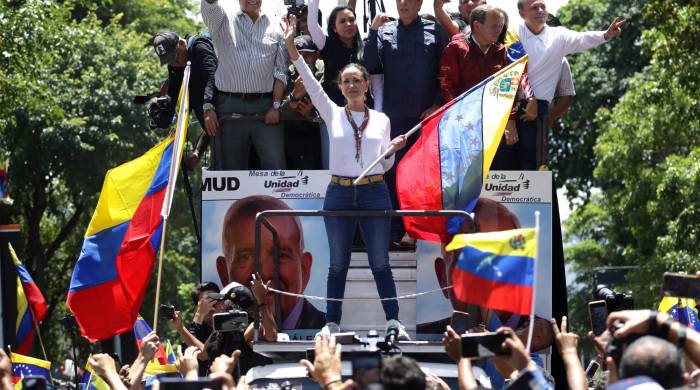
251 54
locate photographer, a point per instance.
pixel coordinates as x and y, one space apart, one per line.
234 328
176 51
301 120
656 354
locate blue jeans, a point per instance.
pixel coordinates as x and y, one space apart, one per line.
375 234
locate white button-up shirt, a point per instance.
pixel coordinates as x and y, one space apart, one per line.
546 51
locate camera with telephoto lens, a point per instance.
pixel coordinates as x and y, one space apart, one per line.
160 109
615 301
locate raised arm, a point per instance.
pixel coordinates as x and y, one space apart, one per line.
576 42
323 104
317 33
373 46
444 19
213 14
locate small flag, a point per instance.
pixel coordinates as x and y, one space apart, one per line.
25 366
683 310
496 269
5 183
91 380
141 330
31 306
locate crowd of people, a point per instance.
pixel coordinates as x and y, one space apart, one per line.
638 348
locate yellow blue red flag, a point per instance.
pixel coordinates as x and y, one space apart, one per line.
31 306
25 366
683 310
445 169
496 269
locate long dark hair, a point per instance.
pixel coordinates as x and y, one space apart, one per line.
333 35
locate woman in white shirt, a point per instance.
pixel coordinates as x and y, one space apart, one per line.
358 136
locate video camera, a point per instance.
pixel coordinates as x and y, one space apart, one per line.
161 109
294 7
615 301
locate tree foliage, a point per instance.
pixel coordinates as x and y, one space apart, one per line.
601 76
648 166
66 114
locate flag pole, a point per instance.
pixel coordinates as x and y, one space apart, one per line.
392 149
178 144
534 285
161 252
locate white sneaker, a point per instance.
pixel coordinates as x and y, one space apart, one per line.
328 329
403 335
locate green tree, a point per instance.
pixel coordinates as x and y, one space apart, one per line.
601 76
648 168
66 117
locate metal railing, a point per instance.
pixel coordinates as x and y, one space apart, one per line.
261 219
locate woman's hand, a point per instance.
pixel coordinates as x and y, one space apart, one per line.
399 142
290 32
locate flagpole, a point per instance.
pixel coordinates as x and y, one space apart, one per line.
161 252
178 142
534 285
392 149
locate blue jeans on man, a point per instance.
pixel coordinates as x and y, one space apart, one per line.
375 234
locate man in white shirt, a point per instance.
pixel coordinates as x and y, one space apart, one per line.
546 48
250 81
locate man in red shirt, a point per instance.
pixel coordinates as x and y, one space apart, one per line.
470 58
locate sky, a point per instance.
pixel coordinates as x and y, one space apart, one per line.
276 7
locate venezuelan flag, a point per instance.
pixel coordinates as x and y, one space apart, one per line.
496 269
31 306
112 273
25 366
91 380
446 167
141 330
155 370
683 310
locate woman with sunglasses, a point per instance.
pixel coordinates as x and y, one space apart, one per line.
358 135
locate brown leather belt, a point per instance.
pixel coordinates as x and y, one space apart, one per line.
348 181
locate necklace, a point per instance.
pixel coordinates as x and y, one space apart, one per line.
357 131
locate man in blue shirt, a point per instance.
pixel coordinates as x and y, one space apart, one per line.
408 53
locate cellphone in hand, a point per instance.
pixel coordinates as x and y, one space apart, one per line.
598 314
592 368
167 312
681 285
365 368
460 322
480 345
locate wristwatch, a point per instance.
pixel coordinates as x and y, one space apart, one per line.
207 106
276 105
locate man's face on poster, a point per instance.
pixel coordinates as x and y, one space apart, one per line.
239 264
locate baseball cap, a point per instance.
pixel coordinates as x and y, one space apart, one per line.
165 44
305 44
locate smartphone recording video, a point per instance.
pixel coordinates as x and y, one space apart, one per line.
460 322
365 368
481 345
598 314
681 285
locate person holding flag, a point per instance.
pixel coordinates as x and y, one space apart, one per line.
357 136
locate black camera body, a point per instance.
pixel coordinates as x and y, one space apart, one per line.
294 7
161 111
232 321
615 301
